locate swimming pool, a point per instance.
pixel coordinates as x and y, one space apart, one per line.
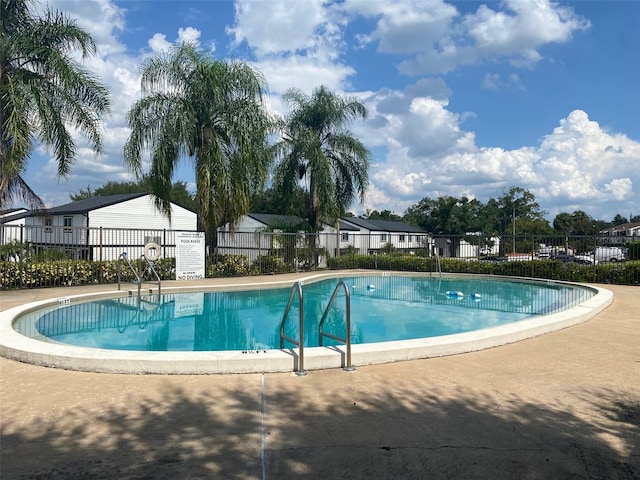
394 317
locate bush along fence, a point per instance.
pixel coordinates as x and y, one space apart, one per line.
593 259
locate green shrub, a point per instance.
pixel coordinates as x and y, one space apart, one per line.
230 266
267 264
634 251
34 274
623 273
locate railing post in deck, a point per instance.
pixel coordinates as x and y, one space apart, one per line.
301 371
297 287
347 338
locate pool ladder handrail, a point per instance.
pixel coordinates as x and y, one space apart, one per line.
347 340
136 274
297 287
123 256
153 271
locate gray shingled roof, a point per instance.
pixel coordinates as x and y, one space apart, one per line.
15 216
276 220
621 228
93 203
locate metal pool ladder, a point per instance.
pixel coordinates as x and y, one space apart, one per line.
297 287
136 274
347 340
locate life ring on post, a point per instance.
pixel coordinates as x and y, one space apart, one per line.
152 251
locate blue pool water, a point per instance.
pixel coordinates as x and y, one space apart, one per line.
383 308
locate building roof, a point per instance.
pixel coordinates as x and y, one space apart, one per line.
12 211
384 225
623 227
93 203
274 220
344 226
14 216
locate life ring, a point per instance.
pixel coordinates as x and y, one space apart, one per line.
453 293
152 251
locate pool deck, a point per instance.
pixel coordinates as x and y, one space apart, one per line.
561 405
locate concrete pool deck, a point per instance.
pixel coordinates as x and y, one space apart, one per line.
561 405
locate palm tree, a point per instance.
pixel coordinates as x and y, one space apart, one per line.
318 148
212 112
42 91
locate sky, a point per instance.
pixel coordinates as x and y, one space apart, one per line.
463 98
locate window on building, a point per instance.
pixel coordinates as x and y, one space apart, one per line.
401 238
48 223
345 236
383 237
67 222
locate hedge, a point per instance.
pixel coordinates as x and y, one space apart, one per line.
622 273
35 274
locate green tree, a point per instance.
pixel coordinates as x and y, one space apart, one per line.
505 215
383 215
43 90
211 112
273 201
563 223
619 220
448 216
318 149
582 223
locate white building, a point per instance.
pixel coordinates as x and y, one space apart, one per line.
260 234
373 236
619 234
100 228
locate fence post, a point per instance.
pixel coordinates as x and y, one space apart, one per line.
533 252
20 267
101 266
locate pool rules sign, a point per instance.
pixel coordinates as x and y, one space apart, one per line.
189 255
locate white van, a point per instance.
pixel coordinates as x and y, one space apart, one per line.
608 254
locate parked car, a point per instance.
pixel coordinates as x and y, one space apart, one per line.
566 258
586 258
544 252
608 254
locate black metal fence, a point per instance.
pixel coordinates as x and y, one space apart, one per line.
41 256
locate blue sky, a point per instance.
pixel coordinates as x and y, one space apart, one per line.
464 98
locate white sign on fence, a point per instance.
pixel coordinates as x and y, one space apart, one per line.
189 255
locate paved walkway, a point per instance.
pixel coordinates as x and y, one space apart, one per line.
563 405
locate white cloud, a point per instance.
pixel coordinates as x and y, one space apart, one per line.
429 154
278 26
404 27
619 188
441 40
158 43
189 35
304 73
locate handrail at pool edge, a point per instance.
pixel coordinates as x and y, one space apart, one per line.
297 287
347 339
